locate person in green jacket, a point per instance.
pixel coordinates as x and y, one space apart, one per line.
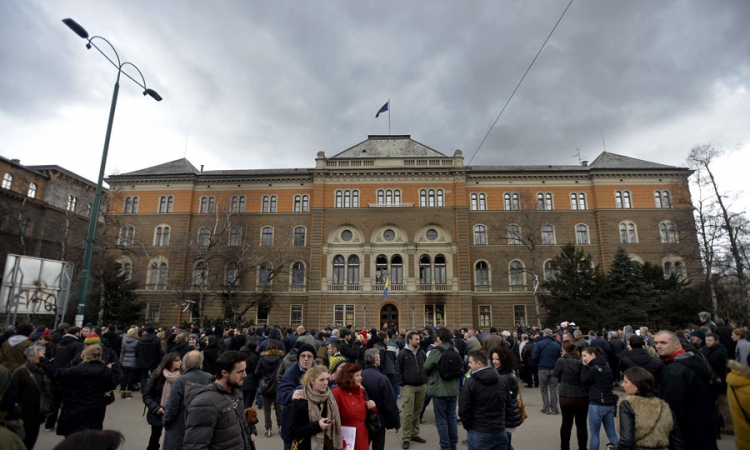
444 392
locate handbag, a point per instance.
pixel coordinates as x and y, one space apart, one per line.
522 407
372 421
45 401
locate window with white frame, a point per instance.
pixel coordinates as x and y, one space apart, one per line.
158 273
161 236
478 201
71 204
397 270
674 266
441 273
266 236
519 315
582 234
208 205
31 193
347 199
622 200
662 199
425 269
512 201
516 274
298 274
550 270
381 269
127 235
238 204
548 234
577 201
299 236
200 274
233 274
301 203
431 198
265 274
352 270
480 235
514 235
668 232
153 312
389 197
7 181
204 236
544 201
485 315
131 205
268 204
628 233
126 270
338 275
481 274
434 315
235 237
295 315
343 315
26 228
166 204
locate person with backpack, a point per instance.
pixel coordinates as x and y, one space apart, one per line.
444 368
265 372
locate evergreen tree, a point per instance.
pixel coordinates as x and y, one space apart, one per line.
121 305
626 297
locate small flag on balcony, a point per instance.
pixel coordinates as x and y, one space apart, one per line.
387 285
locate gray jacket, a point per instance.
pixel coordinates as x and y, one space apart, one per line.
568 371
214 419
174 410
127 353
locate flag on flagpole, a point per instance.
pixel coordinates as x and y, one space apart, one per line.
383 109
387 285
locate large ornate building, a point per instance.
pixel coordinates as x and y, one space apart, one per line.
455 245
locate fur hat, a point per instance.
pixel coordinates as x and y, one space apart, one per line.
91 339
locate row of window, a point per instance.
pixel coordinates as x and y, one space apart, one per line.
162 233
628 234
544 201
8 184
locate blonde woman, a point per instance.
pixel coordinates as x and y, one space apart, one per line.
128 361
315 421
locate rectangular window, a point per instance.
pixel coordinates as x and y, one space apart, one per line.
153 312
434 315
485 315
519 315
295 314
343 315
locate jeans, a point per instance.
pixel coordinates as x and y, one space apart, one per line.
249 397
482 441
598 415
394 384
153 440
445 421
571 414
509 435
548 385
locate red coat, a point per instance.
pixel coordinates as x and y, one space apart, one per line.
352 405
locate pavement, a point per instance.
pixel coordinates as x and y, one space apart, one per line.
539 431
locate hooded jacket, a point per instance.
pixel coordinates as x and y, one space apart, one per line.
568 371
437 386
265 371
597 376
174 410
12 351
640 357
738 394
512 412
214 419
273 335
68 347
148 352
127 356
482 403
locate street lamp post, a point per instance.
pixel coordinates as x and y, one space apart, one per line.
94 215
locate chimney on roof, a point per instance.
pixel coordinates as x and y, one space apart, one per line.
17 161
584 163
201 168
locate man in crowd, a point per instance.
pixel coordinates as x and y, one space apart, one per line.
472 343
705 318
638 356
718 358
214 417
546 353
306 338
686 388
12 354
287 389
174 410
69 346
378 389
148 353
412 378
443 388
481 405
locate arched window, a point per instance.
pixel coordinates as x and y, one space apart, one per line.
431 198
667 269
425 270
389 197
577 201
72 201
170 204
355 199
266 236
233 274
235 237
26 228
338 270
273 204
440 198
512 201
381 269
200 274
540 201
243 201
265 274
298 274
668 233
627 233
381 197
204 236
548 235
353 270
622 200
204 205
161 236
514 235
299 237
662 199
128 205
481 274
397 197
441 275
397 269
135 205
480 235
126 270
478 202
305 203
32 190
235 204
127 235
548 202
582 234
516 201
347 199
297 203
265 203
550 271
516 273
211 205
7 181
338 199
423 198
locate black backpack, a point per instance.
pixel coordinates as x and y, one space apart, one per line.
449 366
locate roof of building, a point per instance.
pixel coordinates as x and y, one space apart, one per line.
63 170
177 167
607 160
389 146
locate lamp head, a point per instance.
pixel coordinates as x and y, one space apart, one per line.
153 94
77 29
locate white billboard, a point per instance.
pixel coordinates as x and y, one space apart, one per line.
35 286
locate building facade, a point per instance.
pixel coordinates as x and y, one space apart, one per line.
454 245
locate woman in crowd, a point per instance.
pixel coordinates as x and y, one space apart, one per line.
315 421
353 404
645 421
574 396
250 385
597 376
128 361
742 350
269 362
505 364
157 392
211 354
738 396
87 390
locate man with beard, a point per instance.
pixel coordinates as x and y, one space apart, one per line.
718 358
214 417
686 388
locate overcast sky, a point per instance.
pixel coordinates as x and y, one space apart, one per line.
251 84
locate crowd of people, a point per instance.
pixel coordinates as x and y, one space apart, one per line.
339 387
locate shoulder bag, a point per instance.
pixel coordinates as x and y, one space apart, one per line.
45 401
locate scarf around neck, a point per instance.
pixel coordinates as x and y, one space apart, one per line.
169 378
315 402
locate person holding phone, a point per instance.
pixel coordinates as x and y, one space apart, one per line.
315 423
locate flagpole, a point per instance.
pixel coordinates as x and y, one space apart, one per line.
389 117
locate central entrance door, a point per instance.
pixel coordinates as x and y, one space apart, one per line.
389 316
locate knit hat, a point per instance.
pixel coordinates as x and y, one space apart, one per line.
92 338
334 362
700 334
47 332
344 332
306 348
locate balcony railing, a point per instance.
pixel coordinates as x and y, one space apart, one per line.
434 287
391 205
519 288
482 289
344 287
294 288
392 288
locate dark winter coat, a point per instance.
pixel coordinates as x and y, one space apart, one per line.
112 341
268 365
618 347
210 355
83 388
482 402
604 345
286 363
251 362
152 400
640 357
174 410
181 347
273 335
387 359
288 384
526 353
597 376
546 352
108 357
512 412
301 427
128 352
685 387
379 390
28 393
148 352
718 359
67 349
410 367
12 352
568 371
214 419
